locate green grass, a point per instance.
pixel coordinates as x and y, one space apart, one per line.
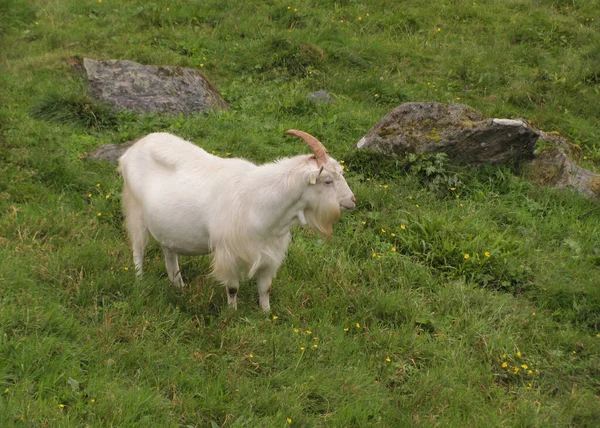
408 330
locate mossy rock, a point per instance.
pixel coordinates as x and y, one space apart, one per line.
126 85
553 167
458 130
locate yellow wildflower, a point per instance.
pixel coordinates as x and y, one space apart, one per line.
98 185
99 214
487 254
382 230
504 364
308 332
467 256
524 366
393 249
89 195
275 317
402 227
453 188
107 196
251 356
302 348
346 329
519 354
289 420
296 330
357 325
315 346
61 406
387 359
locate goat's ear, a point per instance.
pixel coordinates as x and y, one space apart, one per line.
313 177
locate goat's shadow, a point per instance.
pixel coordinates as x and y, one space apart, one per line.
202 296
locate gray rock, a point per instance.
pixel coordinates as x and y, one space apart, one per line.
552 167
455 129
321 96
110 152
144 88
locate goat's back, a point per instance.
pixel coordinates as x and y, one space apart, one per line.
181 188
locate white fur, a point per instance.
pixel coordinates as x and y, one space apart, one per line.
192 202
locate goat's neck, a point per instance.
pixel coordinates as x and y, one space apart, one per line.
278 204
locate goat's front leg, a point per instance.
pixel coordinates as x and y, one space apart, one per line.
173 267
232 287
264 278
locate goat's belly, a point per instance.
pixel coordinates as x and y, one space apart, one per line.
181 240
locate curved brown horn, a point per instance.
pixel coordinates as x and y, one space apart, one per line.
321 153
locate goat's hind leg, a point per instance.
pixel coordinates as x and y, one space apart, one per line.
263 280
136 226
172 263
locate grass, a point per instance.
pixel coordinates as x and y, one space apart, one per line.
447 297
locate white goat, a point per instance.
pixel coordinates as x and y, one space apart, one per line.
192 202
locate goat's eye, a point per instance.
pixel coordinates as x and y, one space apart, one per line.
328 182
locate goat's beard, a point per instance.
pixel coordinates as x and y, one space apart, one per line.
322 217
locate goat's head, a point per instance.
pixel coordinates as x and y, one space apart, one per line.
327 193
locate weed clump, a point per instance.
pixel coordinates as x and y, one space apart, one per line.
75 110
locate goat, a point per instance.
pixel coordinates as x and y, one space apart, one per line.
240 213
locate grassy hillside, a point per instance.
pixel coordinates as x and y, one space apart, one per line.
450 298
